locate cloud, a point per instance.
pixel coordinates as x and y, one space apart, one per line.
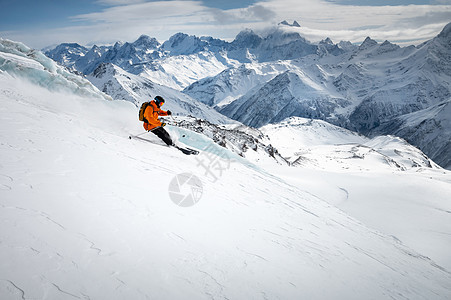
147 12
126 20
260 12
252 14
405 23
442 2
119 2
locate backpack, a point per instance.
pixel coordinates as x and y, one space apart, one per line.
142 110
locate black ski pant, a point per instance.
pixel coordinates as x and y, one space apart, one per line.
163 134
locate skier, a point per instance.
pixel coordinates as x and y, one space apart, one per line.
152 123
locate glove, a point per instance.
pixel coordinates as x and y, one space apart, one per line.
169 112
163 124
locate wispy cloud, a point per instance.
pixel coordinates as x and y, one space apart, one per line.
406 23
252 14
127 19
119 2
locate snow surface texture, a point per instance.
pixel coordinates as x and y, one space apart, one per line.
386 201
86 213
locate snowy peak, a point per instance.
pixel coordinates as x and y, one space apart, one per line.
109 79
347 46
103 69
291 93
183 44
146 42
445 34
327 41
386 46
281 38
233 82
278 44
441 44
67 53
285 23
367 43
247 39
328 47
64 47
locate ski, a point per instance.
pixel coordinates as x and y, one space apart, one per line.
187 151
184 150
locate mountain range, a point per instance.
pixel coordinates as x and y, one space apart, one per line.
257 79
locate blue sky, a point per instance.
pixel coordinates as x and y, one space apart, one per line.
47 22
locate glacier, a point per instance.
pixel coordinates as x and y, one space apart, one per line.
20 61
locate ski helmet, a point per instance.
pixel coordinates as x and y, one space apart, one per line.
159 100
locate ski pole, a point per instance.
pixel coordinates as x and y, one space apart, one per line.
130 136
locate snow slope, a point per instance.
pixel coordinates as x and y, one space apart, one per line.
383 182
318 144
86 213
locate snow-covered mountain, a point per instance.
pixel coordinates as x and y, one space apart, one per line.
319 145
184 59
295 23
88 213
429 129
234 82
67 54
419 81
291 93
176 63
359 89
355 87
376 82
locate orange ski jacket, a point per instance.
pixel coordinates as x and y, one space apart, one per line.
151 114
